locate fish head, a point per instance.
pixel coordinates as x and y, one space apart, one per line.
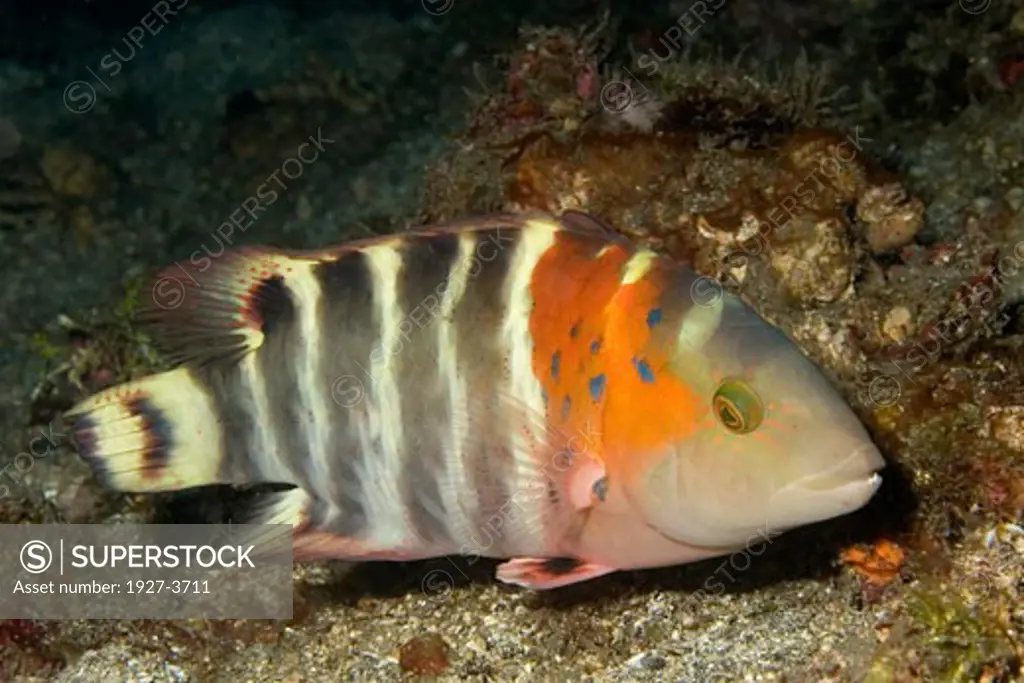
773 445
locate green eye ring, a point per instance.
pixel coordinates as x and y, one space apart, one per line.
737 406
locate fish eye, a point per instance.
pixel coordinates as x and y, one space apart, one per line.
737 406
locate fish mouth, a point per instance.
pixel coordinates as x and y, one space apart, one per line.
841 489
858 472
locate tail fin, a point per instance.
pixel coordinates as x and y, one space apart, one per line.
159 433
162 432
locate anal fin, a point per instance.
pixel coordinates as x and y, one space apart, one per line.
311 541
549 573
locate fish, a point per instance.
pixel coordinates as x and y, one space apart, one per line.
529 387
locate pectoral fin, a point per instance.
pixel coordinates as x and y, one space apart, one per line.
559 474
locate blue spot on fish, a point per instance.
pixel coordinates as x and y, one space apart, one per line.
574 330
654 317
566 406
644 369
556 361
597 387
595 346
544 396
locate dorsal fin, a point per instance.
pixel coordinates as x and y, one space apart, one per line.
587 224
216 309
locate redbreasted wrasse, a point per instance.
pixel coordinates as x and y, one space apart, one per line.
525 387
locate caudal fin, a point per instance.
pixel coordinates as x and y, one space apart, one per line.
159 433
164 432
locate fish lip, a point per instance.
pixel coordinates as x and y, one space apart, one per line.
863 488
861 467
838 490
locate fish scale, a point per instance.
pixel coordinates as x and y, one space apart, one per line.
477 483
345 283
427 265
528 387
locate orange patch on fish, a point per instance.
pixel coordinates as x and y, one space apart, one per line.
601 362
649 406
572 285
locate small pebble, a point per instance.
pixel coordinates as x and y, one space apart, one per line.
812 260
1007 426
891 217
1015 198
424 655
646 660
897 324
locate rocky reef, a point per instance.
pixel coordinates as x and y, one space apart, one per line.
864 192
